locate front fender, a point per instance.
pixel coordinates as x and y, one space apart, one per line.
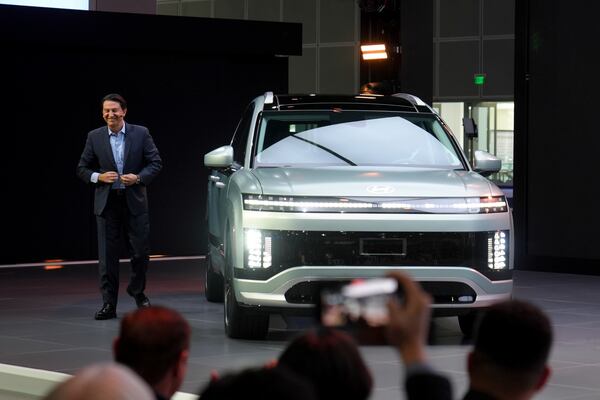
243 181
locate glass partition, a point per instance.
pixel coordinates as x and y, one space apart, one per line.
495 125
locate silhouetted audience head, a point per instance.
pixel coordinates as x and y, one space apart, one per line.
331 360
102 382
259 383
154 342
383 87
512 345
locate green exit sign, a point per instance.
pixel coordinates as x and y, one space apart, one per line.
479 79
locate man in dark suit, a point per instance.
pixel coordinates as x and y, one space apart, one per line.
509 360
120 160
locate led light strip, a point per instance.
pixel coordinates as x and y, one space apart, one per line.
407 206
306 204
403 206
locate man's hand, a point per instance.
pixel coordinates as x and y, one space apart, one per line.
108 177
129 179
409 322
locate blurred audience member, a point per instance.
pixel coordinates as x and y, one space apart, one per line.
102 382
331 360
407 331
155 342
260 383
382 88
509 359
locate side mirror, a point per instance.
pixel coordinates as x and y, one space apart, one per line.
219 158
486 164
470 127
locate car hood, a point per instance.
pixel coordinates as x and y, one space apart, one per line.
380 182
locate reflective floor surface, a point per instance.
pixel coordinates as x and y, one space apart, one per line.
46 322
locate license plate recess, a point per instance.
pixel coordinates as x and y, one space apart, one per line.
383 247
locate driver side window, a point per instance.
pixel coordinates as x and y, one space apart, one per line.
241 135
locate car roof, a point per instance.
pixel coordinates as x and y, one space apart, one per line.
282 102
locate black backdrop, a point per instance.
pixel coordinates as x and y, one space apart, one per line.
557 139
186 79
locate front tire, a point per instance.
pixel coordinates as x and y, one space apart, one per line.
213 284
467 323
242 323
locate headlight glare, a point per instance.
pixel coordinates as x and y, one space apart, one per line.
257 249
498 250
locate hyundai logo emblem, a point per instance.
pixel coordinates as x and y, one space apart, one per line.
380 189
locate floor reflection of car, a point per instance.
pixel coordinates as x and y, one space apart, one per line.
316 188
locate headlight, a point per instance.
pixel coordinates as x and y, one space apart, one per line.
459 205
498 250
257 249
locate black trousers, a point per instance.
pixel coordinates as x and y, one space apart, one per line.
117 223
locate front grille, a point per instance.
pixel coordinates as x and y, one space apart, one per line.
311 248
442 292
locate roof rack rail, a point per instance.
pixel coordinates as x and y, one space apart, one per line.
268 97
414 100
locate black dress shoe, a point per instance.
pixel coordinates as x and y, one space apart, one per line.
140 299
108 311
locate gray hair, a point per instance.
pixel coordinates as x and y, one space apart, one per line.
107 381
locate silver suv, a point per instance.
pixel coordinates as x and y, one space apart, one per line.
316 188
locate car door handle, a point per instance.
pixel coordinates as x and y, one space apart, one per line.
214 178
220 185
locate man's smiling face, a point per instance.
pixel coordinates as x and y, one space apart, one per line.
113 114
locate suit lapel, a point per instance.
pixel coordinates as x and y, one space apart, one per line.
128 139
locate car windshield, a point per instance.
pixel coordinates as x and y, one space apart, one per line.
353 138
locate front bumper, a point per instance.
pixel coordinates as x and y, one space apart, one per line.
272 292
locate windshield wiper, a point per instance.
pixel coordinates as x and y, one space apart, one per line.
326 149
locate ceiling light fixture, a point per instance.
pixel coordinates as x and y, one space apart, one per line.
373 52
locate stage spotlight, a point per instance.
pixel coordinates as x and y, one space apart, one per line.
53 264
373 52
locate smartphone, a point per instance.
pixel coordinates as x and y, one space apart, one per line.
358 307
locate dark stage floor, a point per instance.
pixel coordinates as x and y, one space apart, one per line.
46 322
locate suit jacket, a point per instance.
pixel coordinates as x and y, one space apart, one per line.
475 395
140 157
428 386
433 386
